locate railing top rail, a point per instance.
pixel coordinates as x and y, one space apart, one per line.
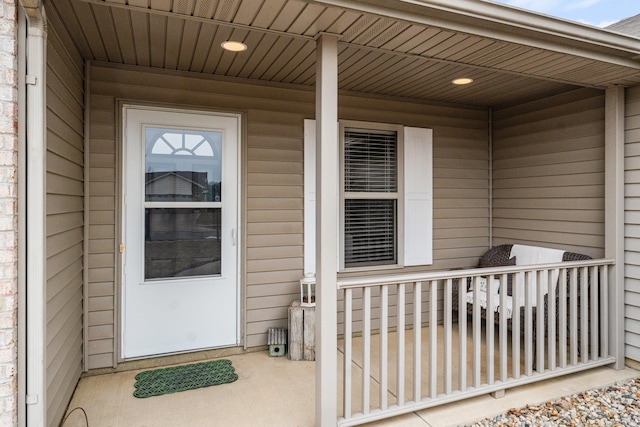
356 282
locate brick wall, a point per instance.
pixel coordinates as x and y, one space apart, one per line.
8 213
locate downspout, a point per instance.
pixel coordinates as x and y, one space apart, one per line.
36 211
22 226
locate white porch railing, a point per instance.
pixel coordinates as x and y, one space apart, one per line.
391 367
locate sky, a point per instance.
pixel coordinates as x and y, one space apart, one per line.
599 13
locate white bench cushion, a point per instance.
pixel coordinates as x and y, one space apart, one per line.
530 255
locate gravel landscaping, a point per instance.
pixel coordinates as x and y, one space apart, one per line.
616 405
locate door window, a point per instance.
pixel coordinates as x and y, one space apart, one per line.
183 203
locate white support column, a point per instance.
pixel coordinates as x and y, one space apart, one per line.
614 217
326 228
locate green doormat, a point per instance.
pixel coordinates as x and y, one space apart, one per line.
184 377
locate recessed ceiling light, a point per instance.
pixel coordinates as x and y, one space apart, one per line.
462 81
232 46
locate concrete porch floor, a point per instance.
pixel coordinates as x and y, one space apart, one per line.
274 391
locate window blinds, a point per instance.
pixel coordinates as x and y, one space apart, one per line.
370 161
369 232
370 167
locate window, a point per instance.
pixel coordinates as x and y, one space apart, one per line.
370 199
182 200
385 196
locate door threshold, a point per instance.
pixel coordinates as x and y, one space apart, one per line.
174 359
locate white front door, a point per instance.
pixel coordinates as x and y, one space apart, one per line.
180 228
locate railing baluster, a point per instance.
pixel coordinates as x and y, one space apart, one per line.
541 282
417 341
584 315
384 344
476 330
462 333
504 352
433 338
528 321
552 286
348 353
366 350
574 316
448 320
604 301
400 346
595 323
490 360
562 315
515 324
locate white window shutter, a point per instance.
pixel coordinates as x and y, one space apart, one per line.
418 196
309 197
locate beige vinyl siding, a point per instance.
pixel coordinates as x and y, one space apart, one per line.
274 215
65 207
272 199
632 225
548 173
101 301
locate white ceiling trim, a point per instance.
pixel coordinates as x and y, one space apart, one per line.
525 19
583 41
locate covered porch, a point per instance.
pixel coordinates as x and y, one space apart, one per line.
532 151
108 398
455 368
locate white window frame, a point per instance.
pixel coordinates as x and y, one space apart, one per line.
397 196
414 248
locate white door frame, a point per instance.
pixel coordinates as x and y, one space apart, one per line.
238 234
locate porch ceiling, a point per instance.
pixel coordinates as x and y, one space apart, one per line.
415 54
